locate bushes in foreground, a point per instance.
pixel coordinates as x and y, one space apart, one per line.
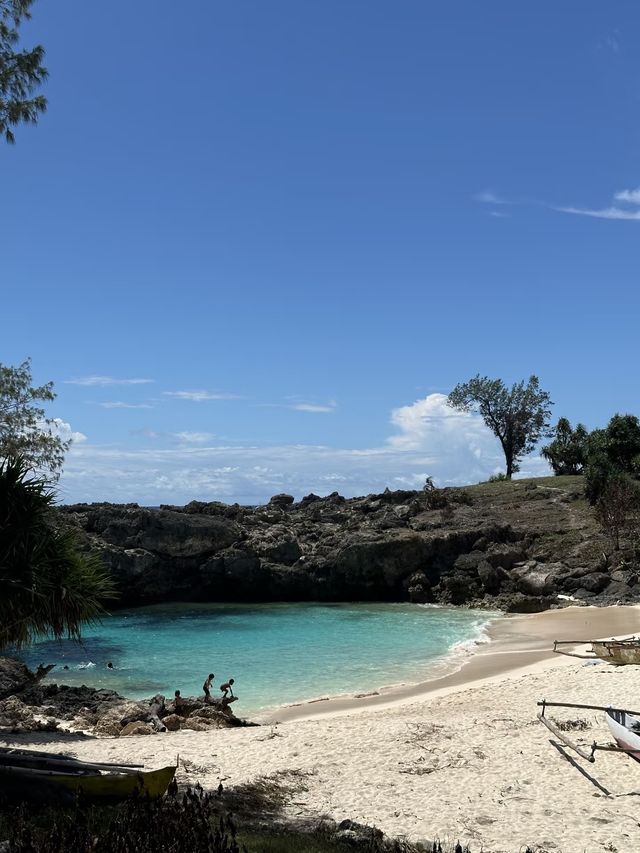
188 823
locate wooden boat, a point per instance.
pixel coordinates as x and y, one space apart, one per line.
618 652
42 776
624 727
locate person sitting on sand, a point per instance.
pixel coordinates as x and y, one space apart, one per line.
227 687
178 702
207 687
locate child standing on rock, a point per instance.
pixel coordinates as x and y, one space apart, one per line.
207 687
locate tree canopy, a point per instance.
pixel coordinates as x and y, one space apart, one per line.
21 71
24 429
517 416
567 453
47 585
612 452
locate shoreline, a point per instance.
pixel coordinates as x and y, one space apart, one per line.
518 644
462 758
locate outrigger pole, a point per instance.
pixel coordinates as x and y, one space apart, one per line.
588 756
558 651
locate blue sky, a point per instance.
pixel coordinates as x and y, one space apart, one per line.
324 216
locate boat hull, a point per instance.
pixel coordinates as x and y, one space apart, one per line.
54 785
625 729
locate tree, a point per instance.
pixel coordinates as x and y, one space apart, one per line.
567 453
47 585
612 451
617 506
24 430
21 71
622 440
518 416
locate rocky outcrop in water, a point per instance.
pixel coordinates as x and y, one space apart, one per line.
513 545
32 707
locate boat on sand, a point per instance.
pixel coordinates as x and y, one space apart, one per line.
47 777
618 652
624 727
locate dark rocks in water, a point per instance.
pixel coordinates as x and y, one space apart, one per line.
47 707
395 546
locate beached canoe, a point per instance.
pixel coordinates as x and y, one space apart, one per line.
625 728
617 652
37 776
98 787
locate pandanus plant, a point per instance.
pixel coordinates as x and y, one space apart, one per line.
48 586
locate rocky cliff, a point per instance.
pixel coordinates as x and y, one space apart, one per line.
514 545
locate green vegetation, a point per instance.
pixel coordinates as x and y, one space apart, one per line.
47 585
567 453
21 71
517 416
611 477
24 429
191 823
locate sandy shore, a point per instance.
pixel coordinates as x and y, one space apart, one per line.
462 756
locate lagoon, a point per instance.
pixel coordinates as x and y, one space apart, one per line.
278 653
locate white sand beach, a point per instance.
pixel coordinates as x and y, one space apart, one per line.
462 757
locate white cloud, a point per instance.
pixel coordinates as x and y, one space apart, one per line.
63 429
630 198
301 405
603 213
106 380
199 396
194 437
120 404
488 197
429 439
314 407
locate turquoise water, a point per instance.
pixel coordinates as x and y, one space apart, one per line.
277 653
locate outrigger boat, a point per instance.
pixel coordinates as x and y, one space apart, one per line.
49 777
617 652
623 725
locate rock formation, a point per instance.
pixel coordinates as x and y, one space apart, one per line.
511 545
31 706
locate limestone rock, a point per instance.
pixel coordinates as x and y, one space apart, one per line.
281 500
173 722
365 548
107 728
13 713
14 677
199 724
136 729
